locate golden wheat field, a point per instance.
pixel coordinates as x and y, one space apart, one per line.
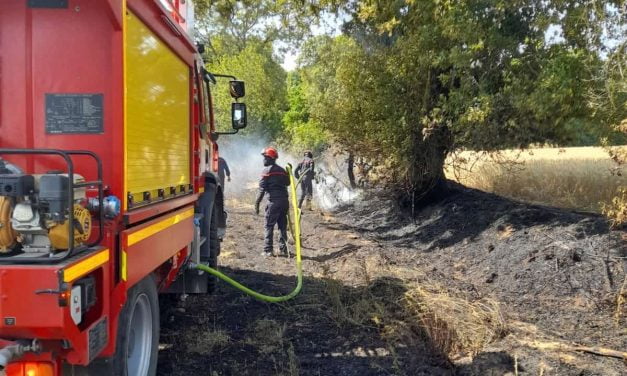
581 178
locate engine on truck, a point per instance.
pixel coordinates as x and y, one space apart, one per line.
35 212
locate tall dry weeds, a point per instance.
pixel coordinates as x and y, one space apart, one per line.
572 178
455 325
412 316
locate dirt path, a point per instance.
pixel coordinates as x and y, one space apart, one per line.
555 275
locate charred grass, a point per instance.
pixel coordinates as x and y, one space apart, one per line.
382 326
439 295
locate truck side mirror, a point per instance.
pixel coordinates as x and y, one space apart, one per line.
237 89
238 115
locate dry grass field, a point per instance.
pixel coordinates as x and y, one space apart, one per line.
581 178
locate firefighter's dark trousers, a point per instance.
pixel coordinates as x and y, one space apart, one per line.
276 214
306 191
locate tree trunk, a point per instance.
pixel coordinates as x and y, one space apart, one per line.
349 169
427 180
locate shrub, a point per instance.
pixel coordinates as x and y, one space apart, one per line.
616 211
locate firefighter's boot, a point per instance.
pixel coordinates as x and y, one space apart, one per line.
284 251
283 237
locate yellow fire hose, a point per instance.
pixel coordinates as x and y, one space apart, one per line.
299 267
290 220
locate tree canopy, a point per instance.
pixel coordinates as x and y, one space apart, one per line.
410 80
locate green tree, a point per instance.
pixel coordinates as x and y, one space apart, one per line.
608 101
265 88
237 22
301 131
409 80
415 78
246 38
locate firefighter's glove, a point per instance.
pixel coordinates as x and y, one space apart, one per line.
260 195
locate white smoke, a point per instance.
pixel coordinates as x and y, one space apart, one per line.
243 156
332 188
330 192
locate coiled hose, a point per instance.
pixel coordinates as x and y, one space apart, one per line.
295 229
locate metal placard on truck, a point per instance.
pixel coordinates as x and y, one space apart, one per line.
47 3
74 113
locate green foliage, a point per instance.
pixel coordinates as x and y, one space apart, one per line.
334 80
616 211
301 131
608 97
414 78
265 88
237 22
411 79
239 36
243 38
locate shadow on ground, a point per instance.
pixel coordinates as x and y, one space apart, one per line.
458 217
329 329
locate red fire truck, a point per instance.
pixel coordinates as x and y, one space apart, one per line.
108 187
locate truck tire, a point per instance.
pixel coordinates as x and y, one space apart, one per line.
214 248
138 335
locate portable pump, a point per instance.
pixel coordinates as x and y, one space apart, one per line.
34 213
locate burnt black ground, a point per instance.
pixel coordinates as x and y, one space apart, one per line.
556 274
311 343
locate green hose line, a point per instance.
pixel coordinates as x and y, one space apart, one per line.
299 266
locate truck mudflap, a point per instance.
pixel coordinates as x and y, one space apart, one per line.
56 305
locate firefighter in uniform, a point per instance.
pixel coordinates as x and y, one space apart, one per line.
274 182
223 171
306 168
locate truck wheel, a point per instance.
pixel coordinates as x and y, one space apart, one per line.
214 248
138 335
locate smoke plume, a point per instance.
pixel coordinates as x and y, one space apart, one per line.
243 156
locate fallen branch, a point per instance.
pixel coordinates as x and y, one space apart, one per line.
620 299
601 351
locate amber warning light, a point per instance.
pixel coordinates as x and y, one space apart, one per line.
30 369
